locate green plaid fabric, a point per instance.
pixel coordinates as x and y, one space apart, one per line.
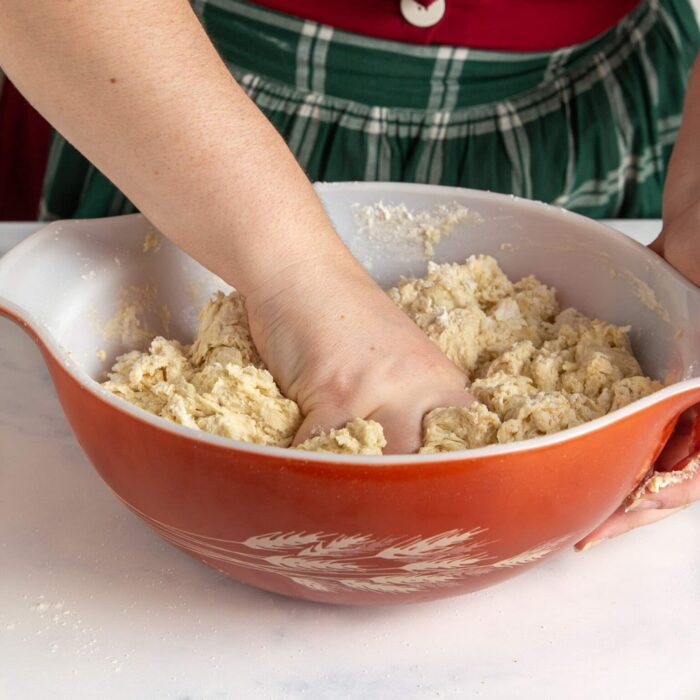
588 127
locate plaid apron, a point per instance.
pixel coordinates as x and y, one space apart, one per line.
588 127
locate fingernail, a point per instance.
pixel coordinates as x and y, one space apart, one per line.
590 544
643 504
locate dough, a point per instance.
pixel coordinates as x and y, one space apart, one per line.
535 369
217 385
358 437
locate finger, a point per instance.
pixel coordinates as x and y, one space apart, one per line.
664 493
321 419
403 425
621 522
680 243
657 245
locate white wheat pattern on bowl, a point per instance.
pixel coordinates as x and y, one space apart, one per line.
332 562
531 555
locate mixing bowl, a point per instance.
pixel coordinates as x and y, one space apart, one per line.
360 530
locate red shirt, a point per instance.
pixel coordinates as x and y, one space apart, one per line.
506 25
24 149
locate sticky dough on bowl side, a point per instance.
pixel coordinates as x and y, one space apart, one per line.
534 369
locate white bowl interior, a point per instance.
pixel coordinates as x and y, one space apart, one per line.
66 280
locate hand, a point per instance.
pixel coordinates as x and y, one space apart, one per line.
679 242
645 506
340 348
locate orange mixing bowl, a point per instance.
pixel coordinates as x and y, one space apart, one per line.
360 530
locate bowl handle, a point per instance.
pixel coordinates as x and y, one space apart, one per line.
10 310
10 307
681 452
684 469
15 313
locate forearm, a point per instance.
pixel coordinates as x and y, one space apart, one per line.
682 188
140 90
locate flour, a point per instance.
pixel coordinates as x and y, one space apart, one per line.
645 294
151 241
127 324
396 223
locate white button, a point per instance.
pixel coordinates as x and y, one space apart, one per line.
420 15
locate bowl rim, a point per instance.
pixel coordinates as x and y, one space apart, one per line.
301 457
375 461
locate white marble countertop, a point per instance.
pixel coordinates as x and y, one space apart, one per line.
95 605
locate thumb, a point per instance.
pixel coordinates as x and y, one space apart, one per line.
657 245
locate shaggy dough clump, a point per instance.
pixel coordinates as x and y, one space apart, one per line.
358 437
219 385
534 369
